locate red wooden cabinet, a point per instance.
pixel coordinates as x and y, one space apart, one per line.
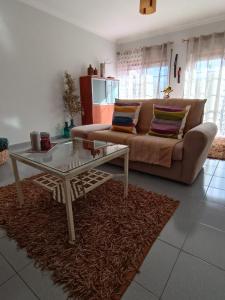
97 97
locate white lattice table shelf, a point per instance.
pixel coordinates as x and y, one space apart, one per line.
70 171
79 185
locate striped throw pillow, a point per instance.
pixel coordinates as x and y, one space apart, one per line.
125 117
169 121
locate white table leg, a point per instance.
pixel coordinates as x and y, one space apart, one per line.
126 170
20 196
69 211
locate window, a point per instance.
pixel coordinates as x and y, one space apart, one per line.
144 83
205 76
208 82
144 72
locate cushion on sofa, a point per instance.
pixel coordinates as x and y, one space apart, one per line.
168 121
125 117
194 117
110 136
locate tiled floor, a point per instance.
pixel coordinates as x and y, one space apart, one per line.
187 262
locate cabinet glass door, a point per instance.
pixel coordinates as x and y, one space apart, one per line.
109 91
115 90
112 91
99 91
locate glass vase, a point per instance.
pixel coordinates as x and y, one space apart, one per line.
66 130
71 124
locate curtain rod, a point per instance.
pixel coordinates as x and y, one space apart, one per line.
119 52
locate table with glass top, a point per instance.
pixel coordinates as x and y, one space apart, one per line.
69 170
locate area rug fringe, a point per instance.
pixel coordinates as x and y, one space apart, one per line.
113 235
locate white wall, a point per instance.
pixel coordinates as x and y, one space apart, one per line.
35 49
179 48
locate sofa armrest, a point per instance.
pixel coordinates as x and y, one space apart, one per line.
83 131
200 137
197 143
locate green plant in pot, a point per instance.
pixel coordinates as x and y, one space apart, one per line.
71 100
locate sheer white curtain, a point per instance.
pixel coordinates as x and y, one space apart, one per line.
144 72
205 75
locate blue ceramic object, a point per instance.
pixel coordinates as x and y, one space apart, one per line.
66 130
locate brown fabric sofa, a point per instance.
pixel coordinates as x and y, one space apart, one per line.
188 155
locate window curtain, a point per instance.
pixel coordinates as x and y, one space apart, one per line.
205 75
144 72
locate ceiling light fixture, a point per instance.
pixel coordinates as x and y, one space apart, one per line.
147 7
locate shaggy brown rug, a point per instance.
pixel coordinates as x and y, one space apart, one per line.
217 150
113 235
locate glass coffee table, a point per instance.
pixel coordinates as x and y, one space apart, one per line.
69 171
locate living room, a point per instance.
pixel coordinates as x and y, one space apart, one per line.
119 106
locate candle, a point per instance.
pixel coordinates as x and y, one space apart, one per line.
45 141
35 140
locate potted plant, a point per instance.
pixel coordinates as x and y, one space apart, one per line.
71 100
4 153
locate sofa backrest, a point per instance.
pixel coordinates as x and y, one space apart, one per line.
195 116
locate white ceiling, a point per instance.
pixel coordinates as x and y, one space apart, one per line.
119 20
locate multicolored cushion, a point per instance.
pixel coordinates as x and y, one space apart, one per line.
168 121
125 117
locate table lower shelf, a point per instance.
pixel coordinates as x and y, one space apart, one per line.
79 186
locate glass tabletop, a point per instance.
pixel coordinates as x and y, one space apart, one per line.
72 154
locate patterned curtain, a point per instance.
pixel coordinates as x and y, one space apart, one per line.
144 72
205 75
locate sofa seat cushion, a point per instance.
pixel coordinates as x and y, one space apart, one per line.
152 150
125 139
116 137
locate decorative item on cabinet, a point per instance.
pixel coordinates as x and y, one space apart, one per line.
90 70
97 97
95 71
102 70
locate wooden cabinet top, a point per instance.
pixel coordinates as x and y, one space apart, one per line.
98 77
